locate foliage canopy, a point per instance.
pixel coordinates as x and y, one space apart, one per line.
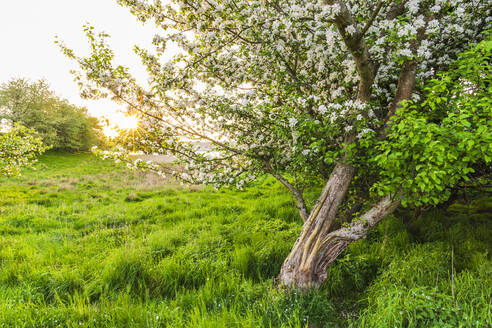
287 87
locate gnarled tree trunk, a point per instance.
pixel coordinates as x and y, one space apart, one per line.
317 247
302 266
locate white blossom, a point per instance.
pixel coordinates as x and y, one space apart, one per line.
351 29
292 122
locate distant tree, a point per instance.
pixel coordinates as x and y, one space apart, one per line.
19 148
59 123
29 104
307 90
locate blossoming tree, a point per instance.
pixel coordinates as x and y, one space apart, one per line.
18 148
303 90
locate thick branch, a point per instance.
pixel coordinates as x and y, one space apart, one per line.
406 83
408 74
371 20
359 229
301 205
357 47
333 244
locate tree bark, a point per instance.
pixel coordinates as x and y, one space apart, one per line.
317 248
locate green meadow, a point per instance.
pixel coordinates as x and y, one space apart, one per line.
85 243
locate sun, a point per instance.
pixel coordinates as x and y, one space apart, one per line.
120 124
127 123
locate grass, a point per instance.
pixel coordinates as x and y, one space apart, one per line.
84 243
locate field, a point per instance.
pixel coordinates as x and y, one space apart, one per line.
84 243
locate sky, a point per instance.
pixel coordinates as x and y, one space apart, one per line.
27 34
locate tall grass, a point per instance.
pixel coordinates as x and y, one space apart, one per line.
86 244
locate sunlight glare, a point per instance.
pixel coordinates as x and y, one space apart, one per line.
127 123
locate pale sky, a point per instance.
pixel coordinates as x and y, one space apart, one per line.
27 35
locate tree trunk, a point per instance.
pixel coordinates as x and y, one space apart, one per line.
317 248
301 268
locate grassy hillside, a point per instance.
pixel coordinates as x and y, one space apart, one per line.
86 244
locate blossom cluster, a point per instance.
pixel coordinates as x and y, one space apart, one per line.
18 149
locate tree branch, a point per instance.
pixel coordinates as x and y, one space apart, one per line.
358 229
301 205
357 47
408 74
188 129
406 83
371 20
